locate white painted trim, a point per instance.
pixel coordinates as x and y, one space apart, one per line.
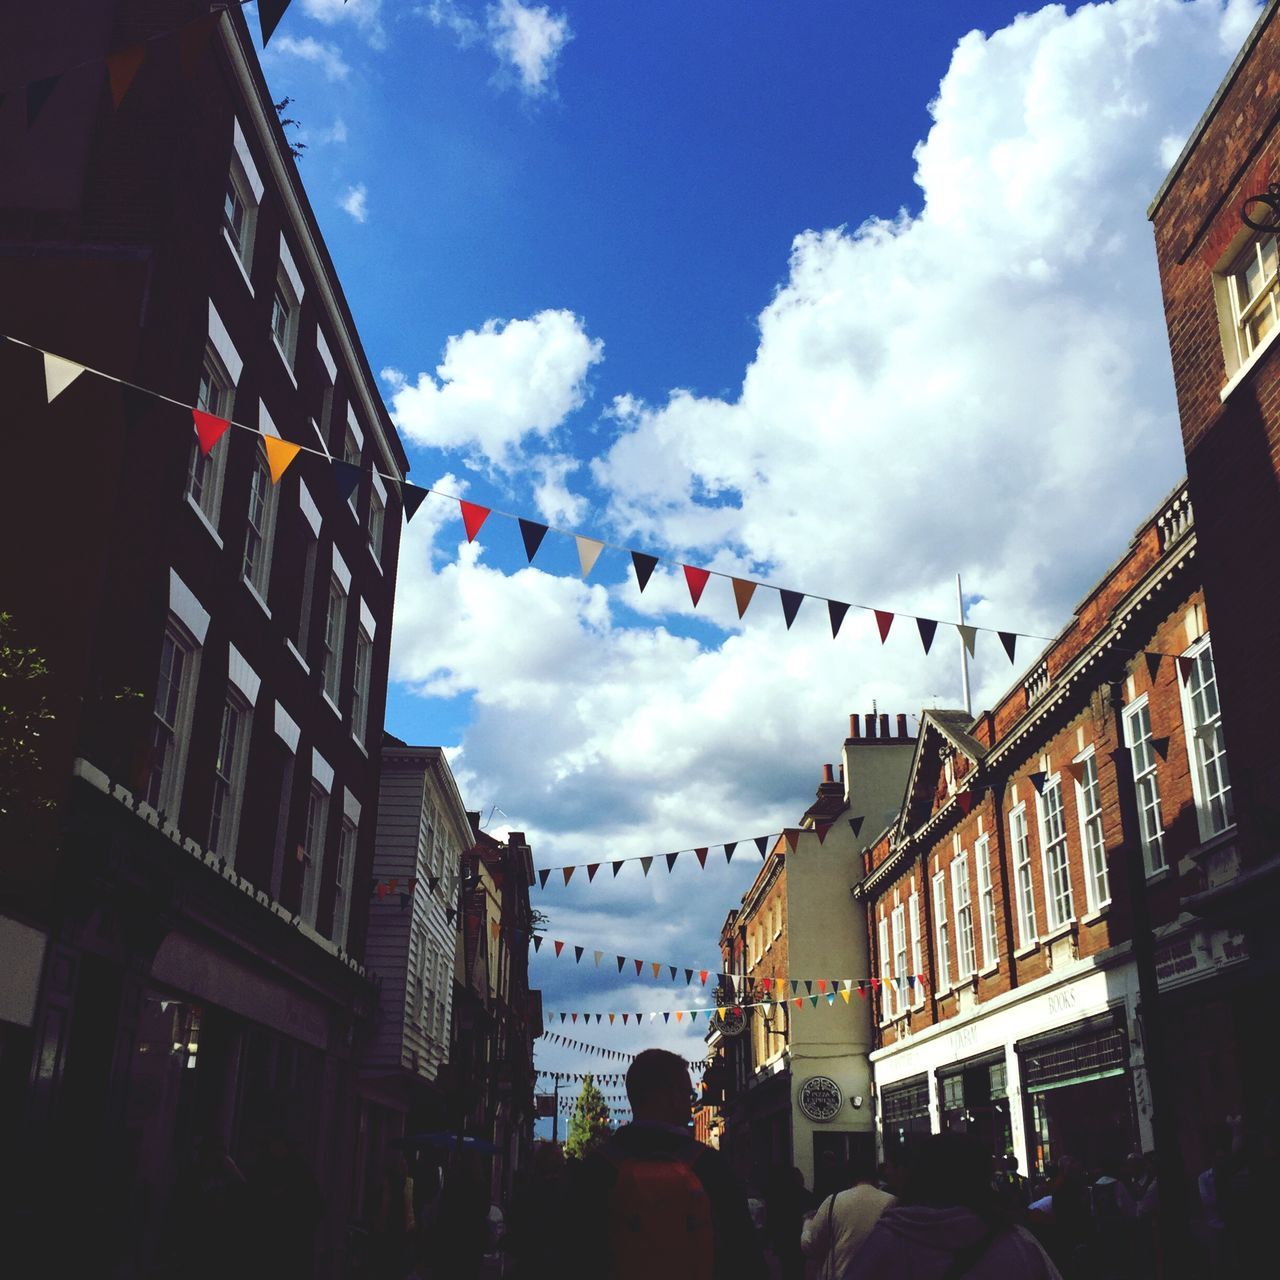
321 771
340 570
222 344
350 806
187 609
204 520
265 425
290 270
310 511
286 729
326 356
380 487
235 253
354 423
293 649
242 675
367 620
241 147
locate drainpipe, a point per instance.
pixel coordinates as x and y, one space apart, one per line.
997 799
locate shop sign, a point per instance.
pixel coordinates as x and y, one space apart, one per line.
733 1022
820 1098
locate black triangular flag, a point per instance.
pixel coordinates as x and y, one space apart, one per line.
346 478
412 495
645 565
1153 665
621 961
836 609
728 851
855 825
791 602
542 877
533 534
617 866
577 955
688 977
926 627
762 843
433 883
537 942
38 92
673 971
1010 641
671 860
450 914
269 14
1161 746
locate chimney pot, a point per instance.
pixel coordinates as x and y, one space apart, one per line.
842 771
884 724
871 725
855 726
828 774
902 725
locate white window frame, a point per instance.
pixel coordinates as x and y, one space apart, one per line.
377 518
351 447
942 930
962 902
420 968
242 174
259 533
1245 311
227 804
1093 839
917 959
361 686
899 930
163 790
886 971
343 871
1210 777
986 902
332 638
1052 815
215 394
285 337
1024 885
313 848
1139 739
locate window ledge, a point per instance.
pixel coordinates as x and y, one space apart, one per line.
1158 877
364 751
1094 916
1247 367
284 359
293 649
204 520
337 711
235 253
253 591
989 970
1061 931
377 564
1030 949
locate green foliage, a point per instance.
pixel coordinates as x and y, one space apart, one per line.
24 711
296 148
588 1122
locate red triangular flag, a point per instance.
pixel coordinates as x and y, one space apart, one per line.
793 837
822 830
559 948
473 517
209 429
592 868
122 66
884 621
568 873
702 857
1185 668
702 973
697 579
965 800
639 966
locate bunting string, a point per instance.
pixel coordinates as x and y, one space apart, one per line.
589 549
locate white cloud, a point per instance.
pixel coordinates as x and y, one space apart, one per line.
355 202
327 57
336 133
528 38
499 385
366 15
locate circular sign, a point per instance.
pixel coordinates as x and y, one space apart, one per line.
820 1098
732 1022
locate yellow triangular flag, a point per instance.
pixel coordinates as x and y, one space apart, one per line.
844 995
59 374
279 454
588 552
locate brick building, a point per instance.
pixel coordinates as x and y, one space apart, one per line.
187 919
1219 279
1031 839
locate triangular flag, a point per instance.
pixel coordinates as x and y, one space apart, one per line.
701 855
965 800
495 928
822 829
926 627
696 579
791 602
577 955
808 985
411 495
862 989
1153 665
657 968
592 868
855 825
645 864
1010 641
59 374
567 872
688 977
762 843
671 859
639 964
728 850
122 66
611 1018
473 517
533 534
799 1002
702 973
1076 769
793 837
743 590
543 873
559 946
644 567
617 866
836 609
1185 668
280 453
679 1015
844 995
346 478
588 552
672 968
192 40
269 14
1038 780
621 961
574 1016
968 635
209 430
1161 746
884 621
795 985
822 985
38 92
813 1001
537 942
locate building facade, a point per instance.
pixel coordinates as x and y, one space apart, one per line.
186 913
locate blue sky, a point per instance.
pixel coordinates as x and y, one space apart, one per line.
847 296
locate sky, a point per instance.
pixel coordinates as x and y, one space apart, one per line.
844 296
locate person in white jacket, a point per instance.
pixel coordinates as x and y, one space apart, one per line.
836 1231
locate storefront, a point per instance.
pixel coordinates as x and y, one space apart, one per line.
973 1098
904 1115
1078 1093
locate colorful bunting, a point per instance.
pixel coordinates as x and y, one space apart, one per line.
743 590
926 627
836 609
589 550
1038 780
592 868
884 620
209 430
644 566
696 580
533 534
346 479
280 453
543 873
791 602
59 374
568 873
473 517
411 495
559 946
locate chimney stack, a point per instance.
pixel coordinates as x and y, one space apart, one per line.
902 725
855 726
884 724
828 773
871 725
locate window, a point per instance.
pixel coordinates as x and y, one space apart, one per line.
420 977
334 624
966 954
377 521
284 318
1137 737
1019 840
943 931
986 900
342 872
1089 807
1210 781
170 718
261 525
917 963
1251 286
313 850
306 607
205 473
1057 869
351 454
886 979
228 777
240 201
360 686
900 958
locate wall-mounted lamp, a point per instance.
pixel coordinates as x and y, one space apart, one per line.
857 1102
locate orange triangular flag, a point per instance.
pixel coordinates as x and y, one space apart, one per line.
59 374
679 1015
209 429
568 872
473 517
742 593
588 552
611 1018
122 66
279 454
656 967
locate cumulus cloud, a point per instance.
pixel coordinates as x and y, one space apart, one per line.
327 57
499 385
526 39
336 133
355 202
366 15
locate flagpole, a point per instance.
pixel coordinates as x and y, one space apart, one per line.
964 651
555 1115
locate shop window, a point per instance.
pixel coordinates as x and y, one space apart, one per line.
1137 736
1202 715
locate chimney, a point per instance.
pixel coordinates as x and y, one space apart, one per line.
884 724
855 726
902 725
842 773
828 773
871 725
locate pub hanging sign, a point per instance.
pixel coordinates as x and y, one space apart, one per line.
820 1098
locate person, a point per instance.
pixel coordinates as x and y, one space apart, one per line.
654 1202
843 1221
395 1225
536 1201
1012 1187
786 1203
211 1205
951 1224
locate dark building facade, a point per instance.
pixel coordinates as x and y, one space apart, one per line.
186 915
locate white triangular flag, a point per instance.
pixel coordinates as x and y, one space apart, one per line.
588 552
59 374
968 635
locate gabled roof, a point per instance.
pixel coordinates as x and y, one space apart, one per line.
937 726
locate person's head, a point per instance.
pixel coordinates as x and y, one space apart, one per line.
1011 1163
949 1171
861 1168
797 1177
659 1089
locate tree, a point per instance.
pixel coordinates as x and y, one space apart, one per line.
588 1123
296 148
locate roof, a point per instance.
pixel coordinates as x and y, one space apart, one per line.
955 726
